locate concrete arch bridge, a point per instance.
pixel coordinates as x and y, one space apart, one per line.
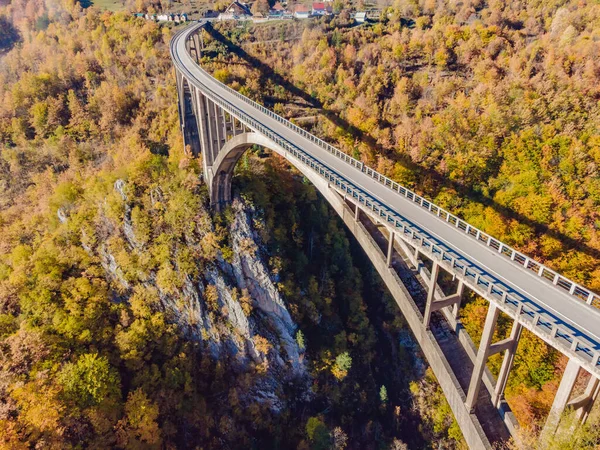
404 234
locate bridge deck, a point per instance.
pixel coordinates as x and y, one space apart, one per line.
551 302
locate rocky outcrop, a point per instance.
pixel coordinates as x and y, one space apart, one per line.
127 223
228 330
252 274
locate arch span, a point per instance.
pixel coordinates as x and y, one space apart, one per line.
224 165
220 191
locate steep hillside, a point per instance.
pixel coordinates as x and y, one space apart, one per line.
130 314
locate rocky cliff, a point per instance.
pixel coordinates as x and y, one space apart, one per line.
232 307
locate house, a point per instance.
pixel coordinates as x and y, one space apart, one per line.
301 12
259 17
277 10
236 11
319 9
360 17
374 14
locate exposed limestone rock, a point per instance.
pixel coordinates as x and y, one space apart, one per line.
251 273
62 215
109 264
241 345
226 330
120 188
127 223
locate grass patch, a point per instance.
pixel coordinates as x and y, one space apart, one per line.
110 5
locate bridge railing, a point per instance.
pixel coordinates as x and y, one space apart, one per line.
556 331
573 288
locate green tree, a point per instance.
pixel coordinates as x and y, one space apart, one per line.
139 428
318 434
383 395
90 380
300 340
342 365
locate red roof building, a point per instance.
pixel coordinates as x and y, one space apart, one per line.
301 12
319 9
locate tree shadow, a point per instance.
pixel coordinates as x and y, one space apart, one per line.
433 180
9 35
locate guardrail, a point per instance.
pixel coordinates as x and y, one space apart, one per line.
484 284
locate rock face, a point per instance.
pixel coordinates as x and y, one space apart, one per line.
233 308
251 273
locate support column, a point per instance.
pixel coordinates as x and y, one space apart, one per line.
201 121
231 125
218 126
456 308
197 47
588 399
181 98
210 125
509 357
561 398
203 131
224 124
415 256
482 356
356 213
435 269
390 249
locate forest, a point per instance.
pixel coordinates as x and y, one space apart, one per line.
488 108
122 322
124 318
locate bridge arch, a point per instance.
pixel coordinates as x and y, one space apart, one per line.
224 165
220 183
